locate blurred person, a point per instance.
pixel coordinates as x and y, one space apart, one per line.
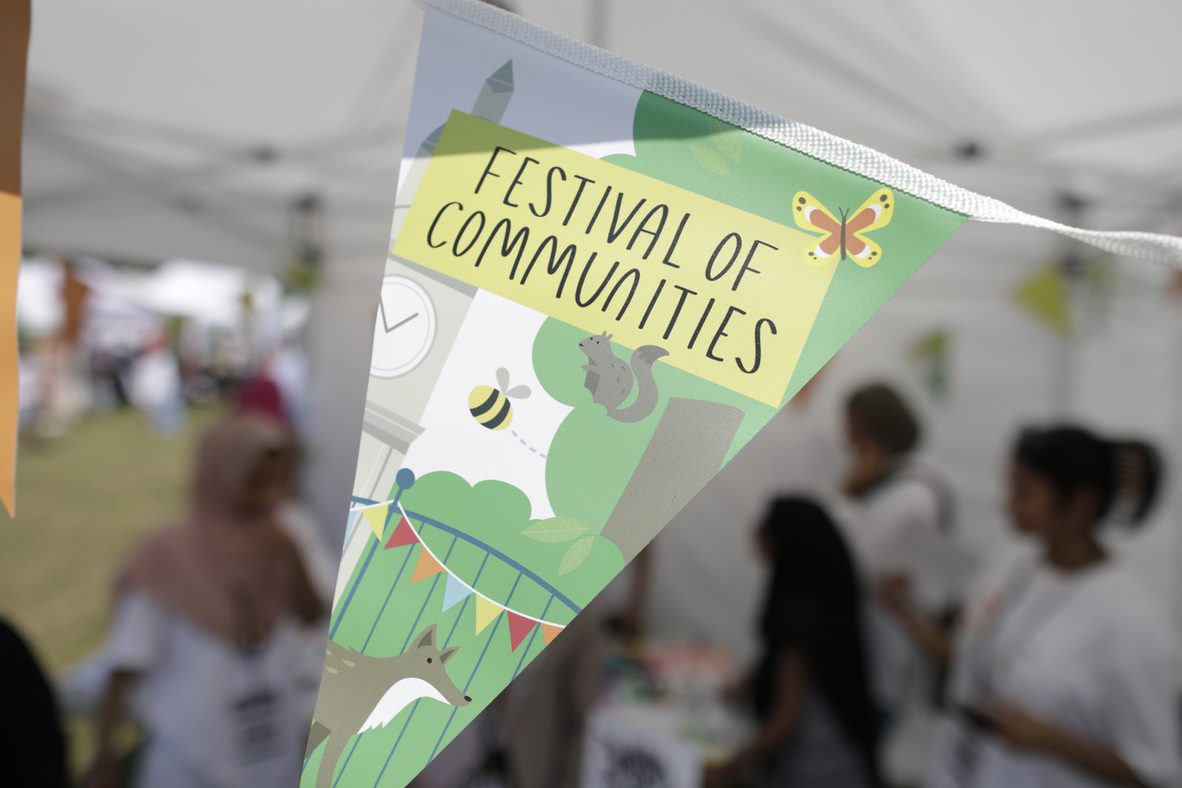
1064 671
810 689
205 629
898 519
261 396
154 385
32 742
288 367
60 376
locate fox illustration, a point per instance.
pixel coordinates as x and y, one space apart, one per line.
359 693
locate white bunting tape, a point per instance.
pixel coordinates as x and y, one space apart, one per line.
839 152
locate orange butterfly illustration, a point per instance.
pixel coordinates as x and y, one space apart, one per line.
845 237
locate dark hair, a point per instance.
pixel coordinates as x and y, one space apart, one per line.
813 604
1124 474
881 413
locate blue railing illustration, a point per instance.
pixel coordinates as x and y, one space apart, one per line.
404 480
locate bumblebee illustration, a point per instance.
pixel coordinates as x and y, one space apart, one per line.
490 406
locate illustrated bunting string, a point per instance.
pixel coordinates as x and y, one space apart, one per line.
456 589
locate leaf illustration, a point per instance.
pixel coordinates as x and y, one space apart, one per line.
555 530
729 145
710 161
576 555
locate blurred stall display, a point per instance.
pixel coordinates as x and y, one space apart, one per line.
662 719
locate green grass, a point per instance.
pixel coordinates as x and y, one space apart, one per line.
83 501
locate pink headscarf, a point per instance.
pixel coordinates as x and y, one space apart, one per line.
226 566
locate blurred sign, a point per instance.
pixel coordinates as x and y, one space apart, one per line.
14 45
637 752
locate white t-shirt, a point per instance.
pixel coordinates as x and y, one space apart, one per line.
1087 651
216 717
896 530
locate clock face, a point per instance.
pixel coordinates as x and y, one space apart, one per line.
404 329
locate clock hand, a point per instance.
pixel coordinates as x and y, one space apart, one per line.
391 328
402 322
386 323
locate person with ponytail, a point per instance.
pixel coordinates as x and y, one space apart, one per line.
1064 672
809 689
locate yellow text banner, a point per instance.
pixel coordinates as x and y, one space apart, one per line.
728 294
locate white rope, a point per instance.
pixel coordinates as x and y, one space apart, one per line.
813 142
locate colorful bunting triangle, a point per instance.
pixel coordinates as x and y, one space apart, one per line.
403 534
455 592
549 632
426 567
519 627
376 517
351 523
486 612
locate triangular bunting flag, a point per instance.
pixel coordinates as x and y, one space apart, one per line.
932 352
549 632
519 627
455 592
403 535
376 517
426 567
351 522
601 283
486 612
1045 296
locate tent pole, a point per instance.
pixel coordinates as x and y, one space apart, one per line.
598 22
1071 267
1066 368
1175 457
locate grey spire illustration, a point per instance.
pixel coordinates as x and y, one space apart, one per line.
490 104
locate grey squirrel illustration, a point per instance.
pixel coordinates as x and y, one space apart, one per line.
610 380
359 693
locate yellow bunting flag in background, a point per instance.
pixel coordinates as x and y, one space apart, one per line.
14 45
1044 295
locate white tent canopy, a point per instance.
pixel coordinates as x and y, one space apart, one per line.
163 130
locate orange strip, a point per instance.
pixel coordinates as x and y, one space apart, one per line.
14 47
10 256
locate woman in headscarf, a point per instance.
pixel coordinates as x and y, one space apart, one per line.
205 628
809 690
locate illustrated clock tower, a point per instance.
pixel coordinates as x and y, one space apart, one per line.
418 320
